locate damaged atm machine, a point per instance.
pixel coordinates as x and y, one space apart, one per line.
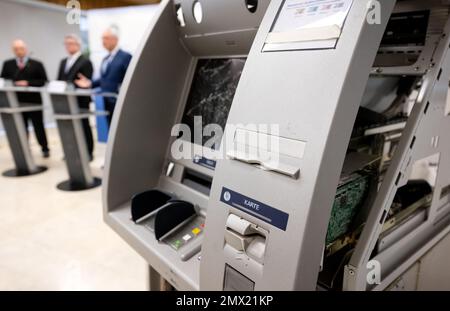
333 172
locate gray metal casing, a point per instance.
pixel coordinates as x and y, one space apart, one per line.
313 95
155 91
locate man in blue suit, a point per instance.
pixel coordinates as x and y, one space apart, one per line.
113 69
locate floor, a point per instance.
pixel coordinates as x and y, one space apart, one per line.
52 240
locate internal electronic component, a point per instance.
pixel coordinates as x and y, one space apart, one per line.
356 177
350 195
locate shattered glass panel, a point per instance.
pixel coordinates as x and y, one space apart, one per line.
212 92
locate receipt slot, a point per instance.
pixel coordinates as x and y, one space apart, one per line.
11 115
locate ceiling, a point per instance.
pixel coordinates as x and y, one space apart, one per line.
95 4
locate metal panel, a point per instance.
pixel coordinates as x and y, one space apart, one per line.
427 113
288 88
154 94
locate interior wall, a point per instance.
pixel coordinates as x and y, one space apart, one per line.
132 23
42 26
96 4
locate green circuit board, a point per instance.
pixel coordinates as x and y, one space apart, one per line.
349 198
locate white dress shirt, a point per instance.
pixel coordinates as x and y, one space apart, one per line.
108 59
71 61
24 61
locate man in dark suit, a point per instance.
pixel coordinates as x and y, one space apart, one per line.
70 69
113 70
25 71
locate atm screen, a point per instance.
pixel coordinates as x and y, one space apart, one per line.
212 92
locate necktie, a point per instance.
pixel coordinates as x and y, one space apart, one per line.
68 65
21 64
106 62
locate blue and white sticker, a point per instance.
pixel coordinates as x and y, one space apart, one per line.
255 208
202 161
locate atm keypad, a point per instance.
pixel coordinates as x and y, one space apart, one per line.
187 234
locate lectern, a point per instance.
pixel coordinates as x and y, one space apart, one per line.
11 114
69 118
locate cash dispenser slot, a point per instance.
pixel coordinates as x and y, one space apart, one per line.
197 181
174 222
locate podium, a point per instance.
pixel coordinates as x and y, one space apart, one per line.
69 118
11 115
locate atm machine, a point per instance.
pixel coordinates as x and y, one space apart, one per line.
332 172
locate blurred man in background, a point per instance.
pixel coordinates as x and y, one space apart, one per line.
75 65
25 71
113 69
